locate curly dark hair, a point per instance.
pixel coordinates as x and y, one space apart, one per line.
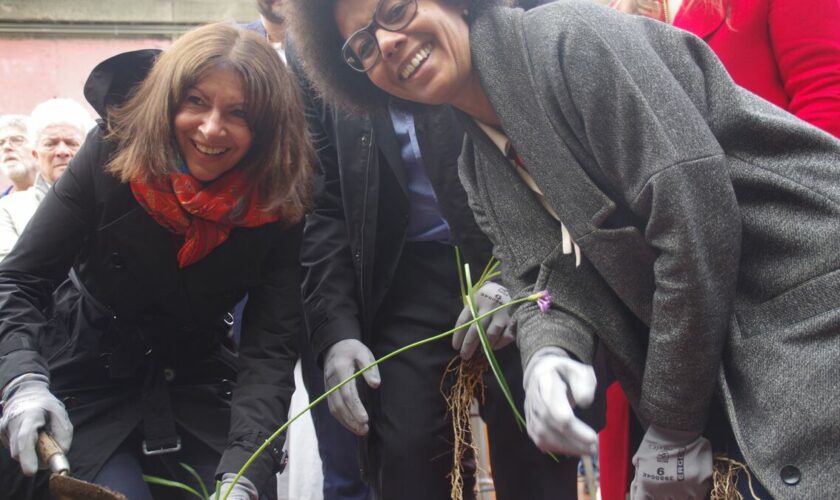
315 37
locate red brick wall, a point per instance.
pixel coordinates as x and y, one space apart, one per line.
34 70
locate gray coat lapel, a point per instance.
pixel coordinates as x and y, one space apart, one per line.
501 188
567 187
555 158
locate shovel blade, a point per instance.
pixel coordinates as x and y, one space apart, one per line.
69 488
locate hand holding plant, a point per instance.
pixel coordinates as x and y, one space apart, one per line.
497 326
358 359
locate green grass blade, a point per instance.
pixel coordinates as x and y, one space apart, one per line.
172 484
197 478
352 377
218 489
491 357
492 275
489 269
460 273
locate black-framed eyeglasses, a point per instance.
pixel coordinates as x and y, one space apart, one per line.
361 51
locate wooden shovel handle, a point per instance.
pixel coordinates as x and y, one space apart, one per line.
47 448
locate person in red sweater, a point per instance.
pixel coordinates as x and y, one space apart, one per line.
787 52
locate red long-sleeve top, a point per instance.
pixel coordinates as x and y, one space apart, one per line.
786 51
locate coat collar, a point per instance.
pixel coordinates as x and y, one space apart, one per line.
436 132
111 81
501 57
386 141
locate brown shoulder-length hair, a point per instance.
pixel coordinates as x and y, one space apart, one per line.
280 161
318 43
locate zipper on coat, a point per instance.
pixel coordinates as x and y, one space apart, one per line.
361 249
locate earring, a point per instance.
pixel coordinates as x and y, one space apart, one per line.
466 13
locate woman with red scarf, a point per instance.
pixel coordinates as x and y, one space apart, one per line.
189 195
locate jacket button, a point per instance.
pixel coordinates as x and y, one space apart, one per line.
105 359
117 261
365 140
226 389
357 255
790 475
168 374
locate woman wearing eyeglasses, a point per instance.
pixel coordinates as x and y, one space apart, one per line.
686 224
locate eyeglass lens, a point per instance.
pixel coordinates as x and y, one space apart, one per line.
391 15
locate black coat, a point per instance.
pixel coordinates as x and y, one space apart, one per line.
130 315
354 236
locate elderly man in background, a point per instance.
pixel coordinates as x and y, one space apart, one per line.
17 162
58 128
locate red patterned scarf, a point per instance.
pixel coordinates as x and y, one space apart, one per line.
203 215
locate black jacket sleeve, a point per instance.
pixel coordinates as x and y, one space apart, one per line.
267 356
41 260
329 284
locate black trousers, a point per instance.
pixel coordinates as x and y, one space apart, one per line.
410 444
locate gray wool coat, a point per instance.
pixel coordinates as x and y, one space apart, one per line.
708 219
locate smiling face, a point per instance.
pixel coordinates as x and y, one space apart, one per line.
428 61
211 129
56 146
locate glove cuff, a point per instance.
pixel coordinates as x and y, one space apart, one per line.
665 435
21 381
244 484
541 353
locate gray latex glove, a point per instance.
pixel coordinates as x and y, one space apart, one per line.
490 296
28 405
672 465
244 489
554 385
341 360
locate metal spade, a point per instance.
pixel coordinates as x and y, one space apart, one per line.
62 486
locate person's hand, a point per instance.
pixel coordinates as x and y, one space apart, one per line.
344 358
554 385
28 406
672 465
490 296
244 489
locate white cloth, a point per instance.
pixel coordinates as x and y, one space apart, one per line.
304 477
15 211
